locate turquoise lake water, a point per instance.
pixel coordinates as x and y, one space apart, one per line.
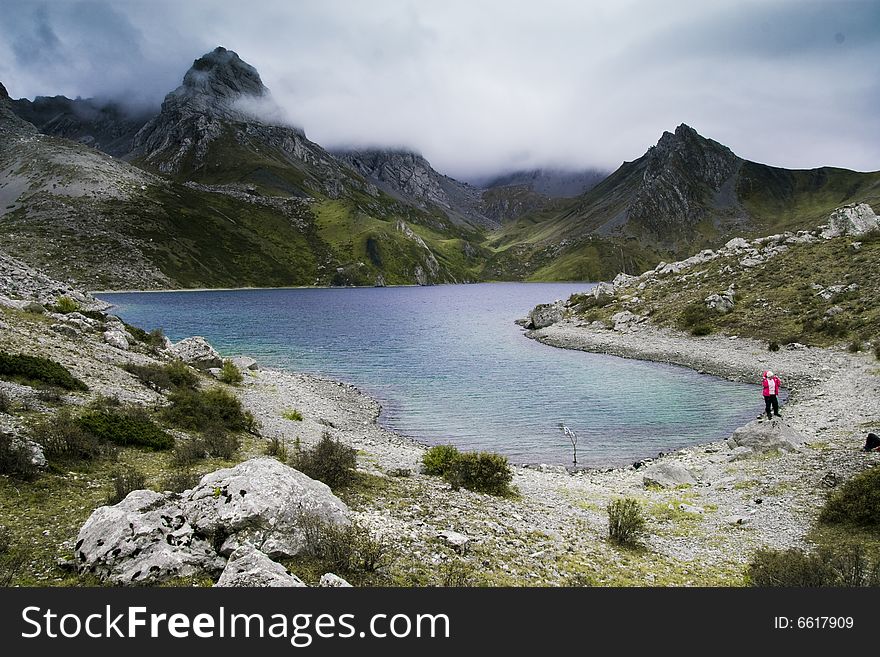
449 365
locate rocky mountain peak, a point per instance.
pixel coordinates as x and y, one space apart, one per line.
4 95
221 73
692 155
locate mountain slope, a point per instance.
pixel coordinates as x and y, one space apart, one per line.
684 194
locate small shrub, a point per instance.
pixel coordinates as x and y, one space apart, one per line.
5 403
63 438
277 449
164 377
877 351
38 369
457 573
626 524
131 427
15 459
50 396
773 346
855 346
292 414
219 443
483 472
230 373
695 316
438 460
343 548
848 566
199 409
189 452
66 305
180 479
125 480
701 329
857 502
329 461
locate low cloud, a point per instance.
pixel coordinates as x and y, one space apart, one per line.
493 86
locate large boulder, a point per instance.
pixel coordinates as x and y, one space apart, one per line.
854 219
116 339
332 580
151 537
545 314
763 436
245 363
145 538
196 351
668 474
248 567
260 502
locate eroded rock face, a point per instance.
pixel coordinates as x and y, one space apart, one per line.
763 436
196 351
146 538
247 566
152 537
260 502
116 339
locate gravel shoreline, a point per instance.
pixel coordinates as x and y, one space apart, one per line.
555 530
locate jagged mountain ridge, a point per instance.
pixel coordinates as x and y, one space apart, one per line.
687 192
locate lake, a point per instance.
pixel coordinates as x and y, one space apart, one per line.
449 366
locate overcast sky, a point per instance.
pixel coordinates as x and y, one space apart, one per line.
487 86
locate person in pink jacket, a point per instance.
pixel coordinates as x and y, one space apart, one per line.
771 390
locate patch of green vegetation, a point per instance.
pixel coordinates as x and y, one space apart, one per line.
66 305
856 502
293 415
230 374
329 461
200 409
482 472
36 369
128 427
164 377
841 567
626 522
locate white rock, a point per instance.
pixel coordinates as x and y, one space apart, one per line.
762 436
668 474
260 502
457 541
329 580
854 219
196 351
144 538
245 363
249 567
116 339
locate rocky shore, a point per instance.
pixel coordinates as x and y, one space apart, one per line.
708 507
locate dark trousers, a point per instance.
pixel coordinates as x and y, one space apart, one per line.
770 400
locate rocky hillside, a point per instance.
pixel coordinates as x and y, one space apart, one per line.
816 287
224 194
105 125
686 193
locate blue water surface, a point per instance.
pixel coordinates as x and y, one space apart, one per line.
450 366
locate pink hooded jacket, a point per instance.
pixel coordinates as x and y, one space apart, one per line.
771 385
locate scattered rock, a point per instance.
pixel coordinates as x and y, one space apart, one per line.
244 363
248 567
830 480
544 315
763 436
455 540
668 474
196 351
333 581
260 502
116 339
